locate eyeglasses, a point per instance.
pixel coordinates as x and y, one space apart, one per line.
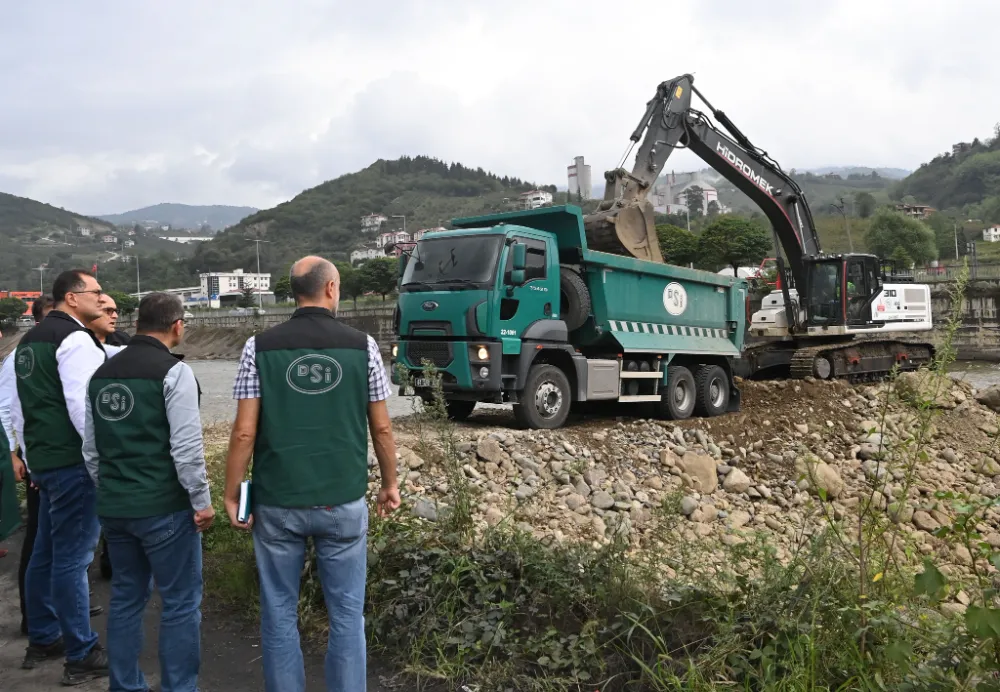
110 311
96 291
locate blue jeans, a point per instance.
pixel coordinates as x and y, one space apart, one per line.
57 593
340 537
166 549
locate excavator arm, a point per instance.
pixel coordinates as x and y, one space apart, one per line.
624 219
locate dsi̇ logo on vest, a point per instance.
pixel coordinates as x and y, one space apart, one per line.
314 374
24 363
115 402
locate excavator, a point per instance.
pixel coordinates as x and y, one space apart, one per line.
830 315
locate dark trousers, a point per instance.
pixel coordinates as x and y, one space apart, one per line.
26 547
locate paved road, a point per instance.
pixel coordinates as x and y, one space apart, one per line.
230 647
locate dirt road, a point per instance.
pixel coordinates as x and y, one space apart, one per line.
230 647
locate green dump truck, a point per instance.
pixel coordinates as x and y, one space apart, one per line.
515 308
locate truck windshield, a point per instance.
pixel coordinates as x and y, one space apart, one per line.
452 262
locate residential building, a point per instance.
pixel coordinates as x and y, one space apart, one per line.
399 248
366 254
534 199
372 223
417 235
991 234
187 238
391 238
917 211
214 284
129 243
961 148
109 239
578 177
671 190
85 231
131 232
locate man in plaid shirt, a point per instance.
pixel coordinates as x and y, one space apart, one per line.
309 392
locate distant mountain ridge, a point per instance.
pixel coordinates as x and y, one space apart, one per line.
844 171
177 216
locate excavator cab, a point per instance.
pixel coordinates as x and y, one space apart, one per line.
841 289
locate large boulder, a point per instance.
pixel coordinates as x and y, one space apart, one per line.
820 476
702 469
924 387
990 397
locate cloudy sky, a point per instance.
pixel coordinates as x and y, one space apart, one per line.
109 105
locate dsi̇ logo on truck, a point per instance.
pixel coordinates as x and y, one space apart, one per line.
675 298
314 374
25 363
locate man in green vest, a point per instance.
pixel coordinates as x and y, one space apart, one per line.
52 364
143 449
310 390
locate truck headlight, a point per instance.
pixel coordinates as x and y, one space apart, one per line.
395 350
484 372
483 353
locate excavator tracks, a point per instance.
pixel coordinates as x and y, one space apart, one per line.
862 361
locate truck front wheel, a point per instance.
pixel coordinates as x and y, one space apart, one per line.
544 402
680 395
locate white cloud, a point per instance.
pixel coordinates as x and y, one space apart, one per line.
117 105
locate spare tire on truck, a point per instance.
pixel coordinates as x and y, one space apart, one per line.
574 299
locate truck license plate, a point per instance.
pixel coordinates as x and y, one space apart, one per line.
421 382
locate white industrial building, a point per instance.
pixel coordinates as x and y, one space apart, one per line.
214 284
534 199
578 177
187 238
366 254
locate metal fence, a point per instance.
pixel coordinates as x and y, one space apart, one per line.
976 271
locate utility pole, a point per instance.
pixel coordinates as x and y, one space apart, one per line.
842 208
955 225
403 217
258 241
137 289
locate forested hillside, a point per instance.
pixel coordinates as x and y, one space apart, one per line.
327 218
23 217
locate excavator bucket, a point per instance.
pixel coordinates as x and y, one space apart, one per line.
626 230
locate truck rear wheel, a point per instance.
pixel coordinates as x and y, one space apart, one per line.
458 409
678 398
544 402
712 387
574 299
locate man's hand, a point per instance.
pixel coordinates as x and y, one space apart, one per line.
388 500
233 510
203 518
20 470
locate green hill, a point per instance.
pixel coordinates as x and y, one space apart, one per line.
21 217
326 219
966 179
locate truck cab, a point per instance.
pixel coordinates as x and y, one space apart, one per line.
470 302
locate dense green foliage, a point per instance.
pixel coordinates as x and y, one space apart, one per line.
900 237
11 309
677 245
733 241
378 276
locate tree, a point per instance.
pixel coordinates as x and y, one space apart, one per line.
944 234
713 209
379 275
902 257
864 203
694 199
733 241
350 282
246 300
283 289
677 245
11 309
909 199
890 230
126 303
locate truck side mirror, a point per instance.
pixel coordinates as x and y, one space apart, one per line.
519 260
401 264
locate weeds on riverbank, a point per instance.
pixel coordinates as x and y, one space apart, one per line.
455 603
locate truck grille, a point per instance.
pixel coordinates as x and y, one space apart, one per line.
437 352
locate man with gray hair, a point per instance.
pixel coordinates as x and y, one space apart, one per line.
310 390
143 448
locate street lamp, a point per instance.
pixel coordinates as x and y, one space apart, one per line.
258 241
403 217
41 269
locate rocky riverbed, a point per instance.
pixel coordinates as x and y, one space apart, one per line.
798 454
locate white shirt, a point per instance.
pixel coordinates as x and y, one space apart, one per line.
8 391
76 359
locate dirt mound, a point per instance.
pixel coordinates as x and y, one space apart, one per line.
214 343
